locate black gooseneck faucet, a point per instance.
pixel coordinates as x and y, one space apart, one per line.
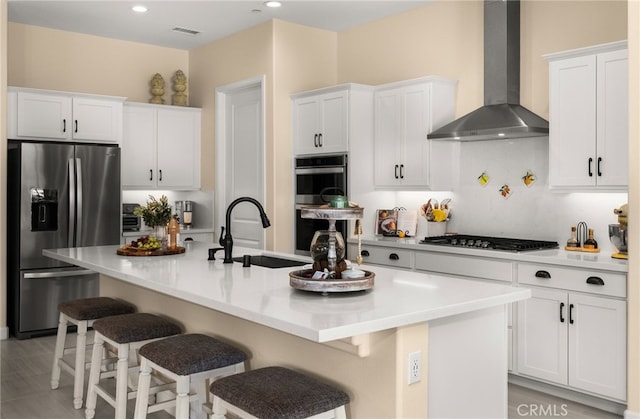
226 240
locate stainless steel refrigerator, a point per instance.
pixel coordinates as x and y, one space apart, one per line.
58 195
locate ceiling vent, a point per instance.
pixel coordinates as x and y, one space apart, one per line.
185 31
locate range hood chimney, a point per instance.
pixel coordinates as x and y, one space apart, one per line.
501 117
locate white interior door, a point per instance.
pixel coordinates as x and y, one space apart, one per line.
243 171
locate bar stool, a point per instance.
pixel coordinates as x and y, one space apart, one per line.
81 312
274 393
186 360
124 333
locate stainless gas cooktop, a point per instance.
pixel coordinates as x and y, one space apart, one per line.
492 243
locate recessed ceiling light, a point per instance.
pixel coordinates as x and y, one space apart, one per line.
139 9
273 3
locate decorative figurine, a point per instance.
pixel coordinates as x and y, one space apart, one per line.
179 86
157 89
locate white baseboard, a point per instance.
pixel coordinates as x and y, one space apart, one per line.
4 333
628 414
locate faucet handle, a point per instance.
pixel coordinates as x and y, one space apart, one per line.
221 239
212 252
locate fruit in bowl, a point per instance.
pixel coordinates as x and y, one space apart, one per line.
145 243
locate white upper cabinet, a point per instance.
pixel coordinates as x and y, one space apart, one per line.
588 118
161 147
324 119
61 116
404 113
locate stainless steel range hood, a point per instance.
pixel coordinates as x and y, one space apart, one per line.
501 117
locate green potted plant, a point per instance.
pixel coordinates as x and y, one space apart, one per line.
156 214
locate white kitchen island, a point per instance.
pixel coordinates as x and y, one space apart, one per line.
359 341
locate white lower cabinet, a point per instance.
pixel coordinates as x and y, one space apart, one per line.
573 339
382 255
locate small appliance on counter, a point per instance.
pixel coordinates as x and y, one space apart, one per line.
618 233
184 212
130 222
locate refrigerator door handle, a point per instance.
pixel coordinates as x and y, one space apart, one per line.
78 201
71 233
59 274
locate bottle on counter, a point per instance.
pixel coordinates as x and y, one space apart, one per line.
174 229
590 243
573 241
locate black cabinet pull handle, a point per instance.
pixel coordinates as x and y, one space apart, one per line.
315 140
160 176
543 274
590 172
365 253
594 280
76 123
570 313
64 125
320 140
402 171
396 171
598 167
150 174
394 256
561 310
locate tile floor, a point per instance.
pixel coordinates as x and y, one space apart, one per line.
25 392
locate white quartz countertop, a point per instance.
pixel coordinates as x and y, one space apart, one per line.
602 260
263 296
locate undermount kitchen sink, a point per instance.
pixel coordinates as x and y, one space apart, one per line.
271 261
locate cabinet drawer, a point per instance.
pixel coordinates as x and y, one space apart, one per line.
384 256
574 279
464 265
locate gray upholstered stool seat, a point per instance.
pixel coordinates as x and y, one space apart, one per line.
188 360
81 312
276 393
124 333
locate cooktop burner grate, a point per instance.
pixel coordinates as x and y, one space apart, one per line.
493 243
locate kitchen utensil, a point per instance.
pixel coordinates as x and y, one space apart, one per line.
618 237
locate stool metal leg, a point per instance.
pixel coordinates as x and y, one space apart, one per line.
59 351
94 376
78 383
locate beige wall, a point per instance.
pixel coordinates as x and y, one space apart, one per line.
446 39
292 58
633 285
57 60
3 163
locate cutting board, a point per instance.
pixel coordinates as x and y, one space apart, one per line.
133 251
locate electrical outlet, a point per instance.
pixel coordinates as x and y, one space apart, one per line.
415 367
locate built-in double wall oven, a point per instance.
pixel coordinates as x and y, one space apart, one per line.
317 180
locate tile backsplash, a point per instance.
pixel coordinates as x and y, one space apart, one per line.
203 203
532 212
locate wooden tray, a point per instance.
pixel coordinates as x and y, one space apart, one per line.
581 249
302 280
133 251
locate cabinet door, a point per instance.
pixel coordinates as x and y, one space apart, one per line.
43 115
542 335
613 116
597 345
97 120
572 122
387 126
178 149
415 126
139 147
306 125
334 125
